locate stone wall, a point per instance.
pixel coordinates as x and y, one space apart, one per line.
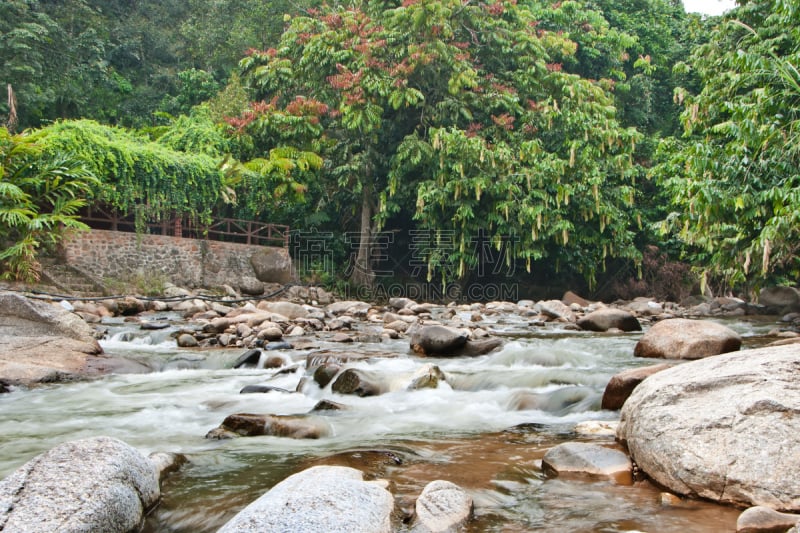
184 262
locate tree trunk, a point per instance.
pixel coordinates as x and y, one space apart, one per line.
362 273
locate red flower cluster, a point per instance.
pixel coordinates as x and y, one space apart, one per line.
504 121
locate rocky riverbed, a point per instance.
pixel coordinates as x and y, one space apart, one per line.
479 396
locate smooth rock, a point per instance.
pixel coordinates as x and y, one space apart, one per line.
780 299
40 342
94 484
248 425
725 428
762 519
681 338
620 386
442 507
570 298
555 309
186 340
427 377
607 318
262 389
251 286
437 340
290 310
588 459
272 264
325 373
358 382
598 428
270 333
475 347
400 303
572 399
250 357
333 499
166 463
349 307
328 405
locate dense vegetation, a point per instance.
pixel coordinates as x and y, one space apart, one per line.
567 138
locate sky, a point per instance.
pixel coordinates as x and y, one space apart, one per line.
708 7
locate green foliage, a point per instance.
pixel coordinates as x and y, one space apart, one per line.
466 112
735 176
138 173
40 195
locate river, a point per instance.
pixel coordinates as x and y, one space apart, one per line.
466 430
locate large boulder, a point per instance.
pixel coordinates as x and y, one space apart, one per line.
272 265
437 340
723 428
621 385
780 299
94 484
334 499
607 318
41 342
442 507
681 338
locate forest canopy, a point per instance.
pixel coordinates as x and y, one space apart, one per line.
572 139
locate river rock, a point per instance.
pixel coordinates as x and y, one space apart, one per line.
270 333
588 459
597 428
437 340
442 507
780 299
762 519
325 373
621 385
328 405
475 347
349 307
334 499
262 389
251 286
40 342
185 340
358 382
570 298
555 309
94 484
129 306
400 303
607 318
250 357
272 265
166 463
291 311
427 377
725 428
681 338
248 425
573 399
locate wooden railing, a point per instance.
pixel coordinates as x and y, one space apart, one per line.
221 229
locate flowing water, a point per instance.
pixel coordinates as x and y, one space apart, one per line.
469 430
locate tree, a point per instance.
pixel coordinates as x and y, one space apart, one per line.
40 196
463 110
734 178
